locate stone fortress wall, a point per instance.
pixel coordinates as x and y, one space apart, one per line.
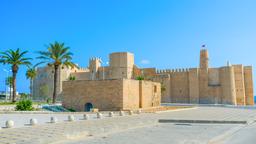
110 88
231 84
116 94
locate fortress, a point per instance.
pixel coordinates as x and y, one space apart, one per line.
231 84
115 86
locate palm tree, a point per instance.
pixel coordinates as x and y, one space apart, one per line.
15 58
31 74
57 55
9 81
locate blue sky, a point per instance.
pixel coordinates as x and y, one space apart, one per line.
161 33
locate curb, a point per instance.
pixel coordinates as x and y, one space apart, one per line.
179 109
201 121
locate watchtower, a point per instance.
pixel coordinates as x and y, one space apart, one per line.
204 58
94 64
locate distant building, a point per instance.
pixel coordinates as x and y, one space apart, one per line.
42 88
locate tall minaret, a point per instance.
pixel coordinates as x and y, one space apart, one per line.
203 77
204 58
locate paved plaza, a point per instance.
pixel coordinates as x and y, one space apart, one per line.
137 129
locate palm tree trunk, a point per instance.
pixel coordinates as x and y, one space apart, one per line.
10 90
14 73
56 67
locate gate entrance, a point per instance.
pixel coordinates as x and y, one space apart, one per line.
88 107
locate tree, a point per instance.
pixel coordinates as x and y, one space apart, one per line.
72 78
31 74
57 55
139 78
9 83
15 58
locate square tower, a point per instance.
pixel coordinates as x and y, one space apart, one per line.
121 65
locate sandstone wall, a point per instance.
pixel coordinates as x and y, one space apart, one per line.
105 95
203 87
179 87
214 86
194 85
228 85
81 75
164 80
248 79
130 94
150 94
239 82
111 94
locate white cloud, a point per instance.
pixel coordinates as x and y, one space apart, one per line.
144 61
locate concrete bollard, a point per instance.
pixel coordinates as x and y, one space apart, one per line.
121 113
71 118
139 111
111 114
33 121
9 124
54 120
99 115
130 112
86 116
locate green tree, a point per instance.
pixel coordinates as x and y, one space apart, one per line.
72 78
31 74
57 55
9 83
15 58
139 78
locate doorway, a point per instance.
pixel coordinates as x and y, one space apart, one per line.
88 107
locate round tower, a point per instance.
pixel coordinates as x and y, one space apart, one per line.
204 58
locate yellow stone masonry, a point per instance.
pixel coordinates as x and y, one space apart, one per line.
115 86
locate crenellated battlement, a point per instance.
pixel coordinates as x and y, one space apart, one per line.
169 71
94 59
83 68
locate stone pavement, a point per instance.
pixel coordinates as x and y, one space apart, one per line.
86 130
212 113
49 133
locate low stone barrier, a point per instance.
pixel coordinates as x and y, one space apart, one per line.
53 120
9 123
86 117
111 114
33 122
121 113
99 115
202 121
71 118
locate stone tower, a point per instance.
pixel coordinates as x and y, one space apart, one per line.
94 64
203 76
204 58
121 65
